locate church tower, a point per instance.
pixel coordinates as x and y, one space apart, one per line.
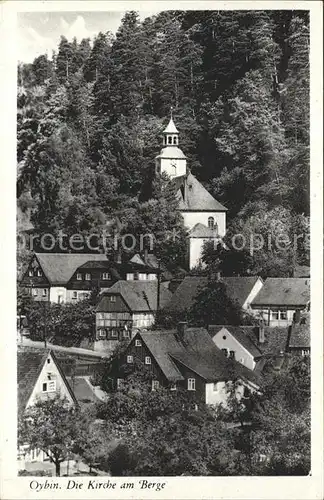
171 159
203 216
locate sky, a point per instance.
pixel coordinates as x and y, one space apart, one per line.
39 32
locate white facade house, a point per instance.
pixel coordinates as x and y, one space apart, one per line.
39 378
203 216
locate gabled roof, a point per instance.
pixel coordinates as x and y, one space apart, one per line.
197 352
149 260
192 195
283 292
240 333
275 339
29 366
140 296
238 288
60 267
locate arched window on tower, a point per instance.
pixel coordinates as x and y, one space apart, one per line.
211 222
175 139
169 139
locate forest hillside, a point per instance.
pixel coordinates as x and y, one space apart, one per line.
90 121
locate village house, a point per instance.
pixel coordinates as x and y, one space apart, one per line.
39 377
187 359
240 289
62 277
203 216
281 299
126 307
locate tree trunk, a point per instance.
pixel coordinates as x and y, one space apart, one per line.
57 469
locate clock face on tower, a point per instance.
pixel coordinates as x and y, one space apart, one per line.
173 164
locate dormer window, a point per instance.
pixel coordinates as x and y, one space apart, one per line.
88 276
79 276
39 272
106 276
30 273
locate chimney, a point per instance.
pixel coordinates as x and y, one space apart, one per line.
297 316
181 329
261 333
145 255
118 257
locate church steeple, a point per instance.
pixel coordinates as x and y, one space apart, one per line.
171 133
171 159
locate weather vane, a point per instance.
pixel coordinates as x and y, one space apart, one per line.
171 110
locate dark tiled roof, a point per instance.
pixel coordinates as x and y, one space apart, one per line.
275 342
29 366
241 333
197 351
141 296
283 292
192 195
60 267
299 336
82 391
238 288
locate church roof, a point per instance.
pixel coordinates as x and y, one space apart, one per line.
171 128
192 195
171 152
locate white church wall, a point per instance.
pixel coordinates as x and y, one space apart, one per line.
192 218
174 167
195 251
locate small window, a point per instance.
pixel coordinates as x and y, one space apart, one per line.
246 392
112 298
175 139
106 276
173 387
51 386
148 360
114 333
130 359
79 276
305 352
126 334
211 222
155 385
88 276
30 273
232 354
191 384
283 315
45 387
39 272
35 292
44 292
169 139
75 295
138 343
48 360
224 337
275 315
225 351
102 333
215 388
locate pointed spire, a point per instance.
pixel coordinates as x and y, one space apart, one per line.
171 128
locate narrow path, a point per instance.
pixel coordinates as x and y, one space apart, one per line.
69 350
